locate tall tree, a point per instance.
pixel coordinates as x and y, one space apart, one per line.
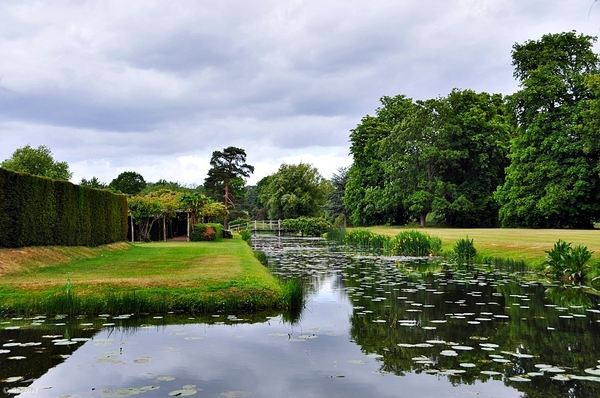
128 182
38 161
229 168
365 196
294 191
552 180
335 199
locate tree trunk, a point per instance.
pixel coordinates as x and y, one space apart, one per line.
423 220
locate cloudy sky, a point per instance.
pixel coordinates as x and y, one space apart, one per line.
156 86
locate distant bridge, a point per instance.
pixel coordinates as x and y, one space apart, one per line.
260 226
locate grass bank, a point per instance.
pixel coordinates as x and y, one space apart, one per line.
528 245
126 278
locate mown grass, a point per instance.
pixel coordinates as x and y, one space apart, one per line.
148 277
527 245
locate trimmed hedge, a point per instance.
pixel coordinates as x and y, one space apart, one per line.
200 230
38 211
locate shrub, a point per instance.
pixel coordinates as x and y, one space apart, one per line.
464 251
246 235
209 233
567 262
200 232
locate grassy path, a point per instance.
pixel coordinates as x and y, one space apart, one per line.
517 244
149 277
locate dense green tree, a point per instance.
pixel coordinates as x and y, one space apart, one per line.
226 175
128 182
476 128
444 156
365 197
37 161
552 180
334 205
93 182
294 191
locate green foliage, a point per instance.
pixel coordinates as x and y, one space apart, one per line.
553 179
464 251
563 261
334 205
366 240
94 182
261 256
415 243
38 211
336 234
38 161
128 182
226 175
294 191
246 235
309 226
444 156
293 293
207 232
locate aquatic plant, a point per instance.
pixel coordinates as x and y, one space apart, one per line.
415 243
564 261
293 293
336 234
464 251
261 256
366 239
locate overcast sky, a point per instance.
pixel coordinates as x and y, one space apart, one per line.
156 86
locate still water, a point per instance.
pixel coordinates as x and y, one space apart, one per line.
371 327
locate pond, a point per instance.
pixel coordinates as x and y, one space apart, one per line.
370 327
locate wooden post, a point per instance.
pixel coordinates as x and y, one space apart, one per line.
188 226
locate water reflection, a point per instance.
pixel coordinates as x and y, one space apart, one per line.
371 326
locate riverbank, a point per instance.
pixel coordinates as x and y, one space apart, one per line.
134 278
527 245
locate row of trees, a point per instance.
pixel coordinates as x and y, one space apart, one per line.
471 159
467 159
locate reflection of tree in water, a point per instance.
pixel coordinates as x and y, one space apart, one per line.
378 326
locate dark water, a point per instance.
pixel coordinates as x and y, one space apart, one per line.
371 327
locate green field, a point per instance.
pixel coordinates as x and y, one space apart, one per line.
528 245
150 277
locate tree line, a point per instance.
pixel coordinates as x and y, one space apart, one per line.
531 159
467 159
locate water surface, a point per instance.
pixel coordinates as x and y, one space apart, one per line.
371 327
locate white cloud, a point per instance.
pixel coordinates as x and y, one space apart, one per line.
156 86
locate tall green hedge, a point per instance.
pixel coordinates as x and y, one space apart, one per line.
38 211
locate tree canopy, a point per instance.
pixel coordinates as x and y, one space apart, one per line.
294 191
128 182
226 175
444 156
552 180
37 161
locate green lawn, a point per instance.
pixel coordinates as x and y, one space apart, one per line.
192 276
516 244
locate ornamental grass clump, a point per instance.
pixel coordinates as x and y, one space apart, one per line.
464 252
564 261
415 244
366 239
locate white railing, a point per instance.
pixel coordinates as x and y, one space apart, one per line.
256 225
